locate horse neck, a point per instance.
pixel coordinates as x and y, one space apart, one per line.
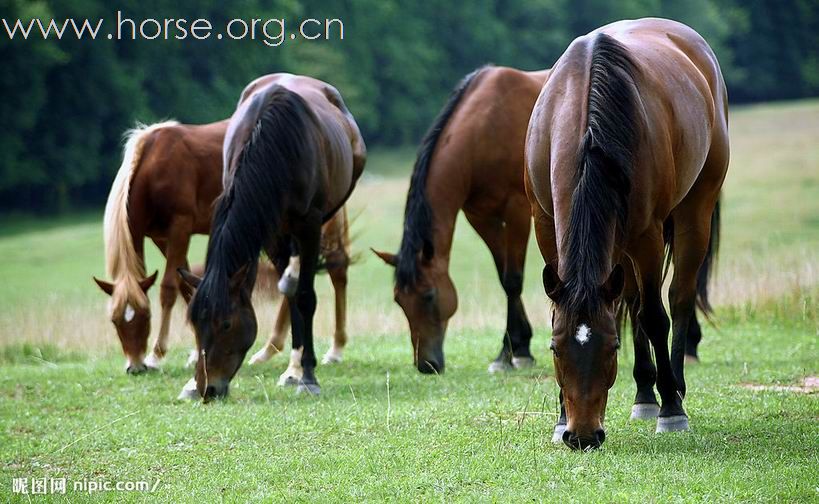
445 206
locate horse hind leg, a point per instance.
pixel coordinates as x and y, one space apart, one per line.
275 344
338 276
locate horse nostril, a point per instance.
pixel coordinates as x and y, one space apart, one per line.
571 440
210 391
600 434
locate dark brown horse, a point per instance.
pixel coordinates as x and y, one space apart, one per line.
626 152
472 160
170 176
291 157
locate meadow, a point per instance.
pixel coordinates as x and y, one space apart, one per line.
380 430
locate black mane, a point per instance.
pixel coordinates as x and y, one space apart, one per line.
248 214
417 235
603 176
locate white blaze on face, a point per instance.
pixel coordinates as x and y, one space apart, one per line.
583 334
129 313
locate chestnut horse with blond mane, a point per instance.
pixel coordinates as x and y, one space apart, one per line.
170 176
626 153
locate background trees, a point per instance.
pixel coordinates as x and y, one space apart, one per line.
64 104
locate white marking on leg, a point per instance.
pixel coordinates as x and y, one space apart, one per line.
294 371
192 358
333 355
289 282
153 361
189 391
583 334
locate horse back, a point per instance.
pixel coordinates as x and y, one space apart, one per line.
179 176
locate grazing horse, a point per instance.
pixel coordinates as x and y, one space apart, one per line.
472 160
291 157
627 149
164 190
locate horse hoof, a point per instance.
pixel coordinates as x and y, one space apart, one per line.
499 366
523 362
676 423
308 388
193 357
288 381
189 392
691 359
331 357
645 411
153 361
557 437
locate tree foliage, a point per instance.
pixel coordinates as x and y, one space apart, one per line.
66 103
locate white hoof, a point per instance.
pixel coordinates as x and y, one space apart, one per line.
189 392
289 378
265 354
153 361
193 357
522 362
645 411
333 356
557 436
676 423
499 366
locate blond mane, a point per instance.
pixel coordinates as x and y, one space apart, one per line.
122 264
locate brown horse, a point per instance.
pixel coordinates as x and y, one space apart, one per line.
170 176
164 190
292 155
472 160
626 152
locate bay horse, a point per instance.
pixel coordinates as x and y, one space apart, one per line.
291 157
626 152
471 159
164 190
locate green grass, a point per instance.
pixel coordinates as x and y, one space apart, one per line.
381 431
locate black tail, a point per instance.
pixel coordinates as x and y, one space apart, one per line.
418 214
709 264
603 176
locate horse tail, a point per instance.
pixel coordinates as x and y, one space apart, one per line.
603 174
122 264
418 214
707 269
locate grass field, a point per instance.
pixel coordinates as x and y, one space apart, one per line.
382 431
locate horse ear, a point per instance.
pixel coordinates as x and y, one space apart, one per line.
148 282
239 278
189 278
552 283
389 259
613 287
106 287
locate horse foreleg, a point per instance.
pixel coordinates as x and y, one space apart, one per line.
304 305
653 319
176 256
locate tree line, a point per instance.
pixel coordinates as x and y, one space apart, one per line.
65 103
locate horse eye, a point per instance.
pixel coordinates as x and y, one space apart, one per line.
225 325
552 347
429 296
